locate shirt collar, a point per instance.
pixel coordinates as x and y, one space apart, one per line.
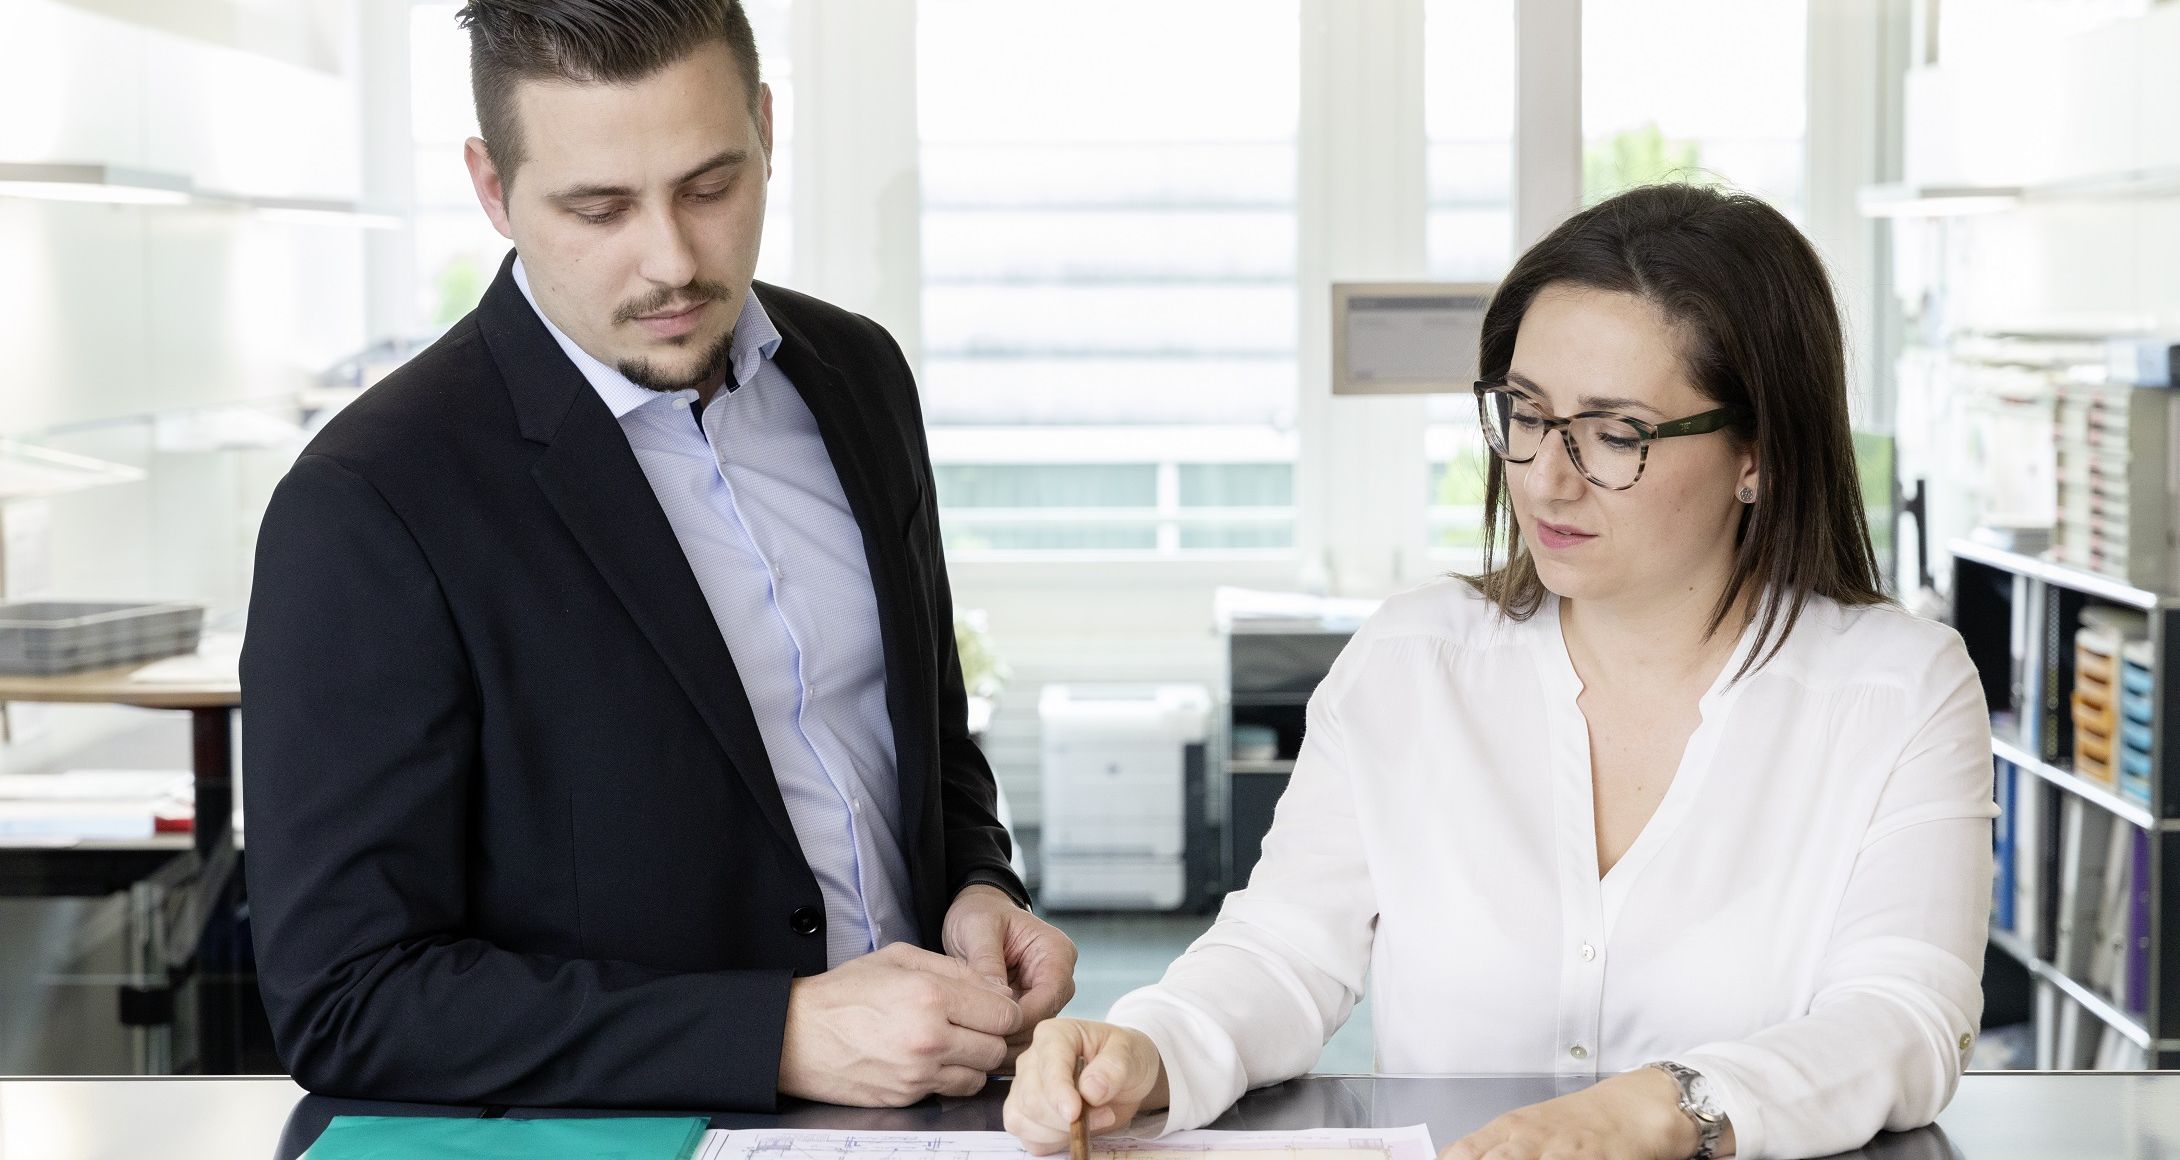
756 340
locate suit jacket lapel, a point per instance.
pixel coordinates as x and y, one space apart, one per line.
861 463
593 481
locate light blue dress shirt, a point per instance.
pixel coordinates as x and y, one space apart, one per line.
752 495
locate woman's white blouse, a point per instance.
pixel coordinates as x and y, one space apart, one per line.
1802 920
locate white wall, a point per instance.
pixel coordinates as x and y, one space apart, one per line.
2095 143
112 310
111 314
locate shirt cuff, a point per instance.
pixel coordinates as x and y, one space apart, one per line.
1733 1099
1005 882
1172 1029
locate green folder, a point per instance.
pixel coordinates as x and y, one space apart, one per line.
441 1138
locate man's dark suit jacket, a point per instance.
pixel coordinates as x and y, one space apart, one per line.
513 835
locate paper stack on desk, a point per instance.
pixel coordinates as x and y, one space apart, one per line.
93 804
679 1138
1409 1143
217 661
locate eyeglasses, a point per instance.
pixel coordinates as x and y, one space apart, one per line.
1608 448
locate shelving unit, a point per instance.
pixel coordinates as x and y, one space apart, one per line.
2017 615
28 471
1271 669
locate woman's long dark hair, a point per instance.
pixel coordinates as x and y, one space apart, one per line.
1759 330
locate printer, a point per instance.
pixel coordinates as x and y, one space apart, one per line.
1123 794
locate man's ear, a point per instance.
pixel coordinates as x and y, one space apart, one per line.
491 189
764 123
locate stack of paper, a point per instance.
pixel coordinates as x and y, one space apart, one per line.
95 804
217 661
1409 1143
1292 611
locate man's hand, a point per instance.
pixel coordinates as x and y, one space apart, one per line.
888 1029
1632 1116
1014 949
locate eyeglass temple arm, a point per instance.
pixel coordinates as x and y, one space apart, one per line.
1702 424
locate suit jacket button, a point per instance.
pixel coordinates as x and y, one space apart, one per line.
805 920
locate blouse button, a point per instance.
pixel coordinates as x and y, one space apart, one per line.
1579 1051
1589 953
1966 1040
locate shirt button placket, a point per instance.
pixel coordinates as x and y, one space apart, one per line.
1592 992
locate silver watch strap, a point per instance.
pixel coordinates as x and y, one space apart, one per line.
1701 1110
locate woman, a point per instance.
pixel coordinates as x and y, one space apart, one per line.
1672 799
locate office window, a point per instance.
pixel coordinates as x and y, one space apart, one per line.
1711 90
1704 90
1468 118
457 250
1108 261
1468 121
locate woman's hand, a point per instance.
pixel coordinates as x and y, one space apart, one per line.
1121 1075
1635 1116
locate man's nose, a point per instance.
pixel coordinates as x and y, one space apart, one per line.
668 258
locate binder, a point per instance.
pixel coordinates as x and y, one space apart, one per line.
2138 928
2085 838
2115 907
2030 857
2002 848
446 1138
2049 1002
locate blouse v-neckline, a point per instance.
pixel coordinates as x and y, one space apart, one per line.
1574 790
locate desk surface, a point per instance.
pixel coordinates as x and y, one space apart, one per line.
116 686
1996 1116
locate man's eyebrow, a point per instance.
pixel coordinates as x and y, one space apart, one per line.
719 160
588 190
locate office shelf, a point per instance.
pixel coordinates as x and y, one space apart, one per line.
2010 751
29 471
2017 615
2091 1001
2061 576
1903 200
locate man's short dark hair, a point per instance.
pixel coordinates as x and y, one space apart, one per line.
587 42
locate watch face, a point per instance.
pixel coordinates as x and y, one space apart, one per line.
1701 1095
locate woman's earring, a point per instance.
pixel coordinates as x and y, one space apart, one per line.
1747 495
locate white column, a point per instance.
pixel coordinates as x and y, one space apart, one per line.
389 169
1360 217
1547 116
858 205
1858 54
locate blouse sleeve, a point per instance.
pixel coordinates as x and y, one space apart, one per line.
1899 991
1254 1000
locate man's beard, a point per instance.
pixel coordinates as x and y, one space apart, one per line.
711 369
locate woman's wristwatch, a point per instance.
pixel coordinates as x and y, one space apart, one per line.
1700 1106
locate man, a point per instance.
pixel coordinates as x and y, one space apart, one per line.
608 744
